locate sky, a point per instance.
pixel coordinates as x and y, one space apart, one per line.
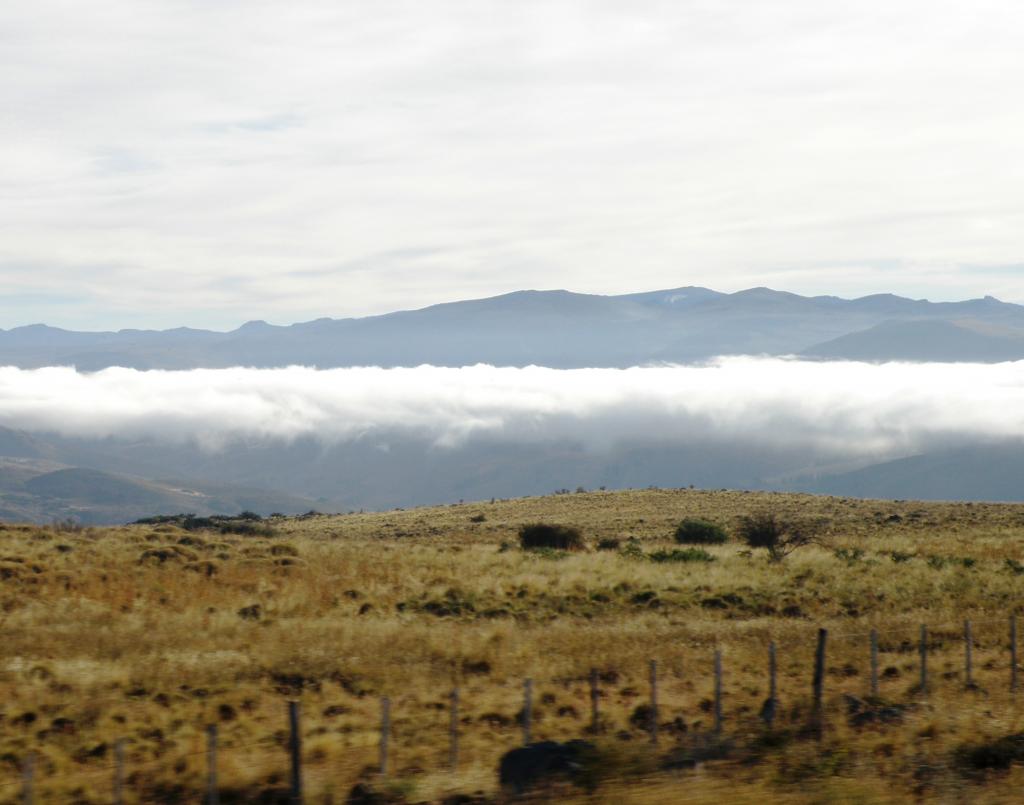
201 163
847 410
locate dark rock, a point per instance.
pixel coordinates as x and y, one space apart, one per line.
538 763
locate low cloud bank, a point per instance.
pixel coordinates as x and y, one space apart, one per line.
831 407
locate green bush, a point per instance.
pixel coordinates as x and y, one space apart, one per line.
681 555
548 535
700 532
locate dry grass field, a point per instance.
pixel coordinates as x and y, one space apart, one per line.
147 633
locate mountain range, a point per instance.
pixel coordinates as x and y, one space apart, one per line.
561 329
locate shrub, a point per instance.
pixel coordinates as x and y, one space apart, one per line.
609 544
66 526
849 555
777 536
700 532
681 555
247 523
548 535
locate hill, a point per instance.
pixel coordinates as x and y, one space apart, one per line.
39 492
980 472
940 341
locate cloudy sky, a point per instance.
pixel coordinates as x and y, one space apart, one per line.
205 163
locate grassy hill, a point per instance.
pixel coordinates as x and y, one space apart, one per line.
40 491
149 632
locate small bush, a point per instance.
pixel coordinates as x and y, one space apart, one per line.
609 544
700 532
849 555
548 553
247 523
681 555
548 535
777 536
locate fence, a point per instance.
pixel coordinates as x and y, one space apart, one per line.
821 680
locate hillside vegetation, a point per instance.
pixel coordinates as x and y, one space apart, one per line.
150 632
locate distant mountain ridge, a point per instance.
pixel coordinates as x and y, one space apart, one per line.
562 329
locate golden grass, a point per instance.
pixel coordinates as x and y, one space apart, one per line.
148 633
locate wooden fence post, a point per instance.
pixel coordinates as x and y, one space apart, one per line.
968 646
295 752
653 725
1013 653
594 715
874 663
212 794
819 671
28 778
924 658
385 733
453 730
718 690
119 772
773 689
527 710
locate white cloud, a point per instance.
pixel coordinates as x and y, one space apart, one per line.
847 409
204 163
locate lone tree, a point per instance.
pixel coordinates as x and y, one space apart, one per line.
777 536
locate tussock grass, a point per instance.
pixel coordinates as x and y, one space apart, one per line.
148 632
